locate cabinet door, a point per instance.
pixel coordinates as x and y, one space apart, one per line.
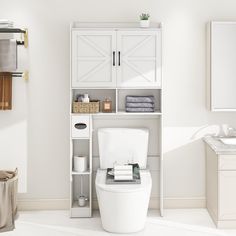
93 53
223 66
139 58
227 195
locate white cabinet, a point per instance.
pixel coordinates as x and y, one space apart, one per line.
220 188
222 66
139 58
92 58
113 60
227 195
110 58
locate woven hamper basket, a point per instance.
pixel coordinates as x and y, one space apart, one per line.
8 205
83 107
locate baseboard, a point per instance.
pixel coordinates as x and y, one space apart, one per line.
63 204
43 204
175 203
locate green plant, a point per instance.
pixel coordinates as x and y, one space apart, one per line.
144 16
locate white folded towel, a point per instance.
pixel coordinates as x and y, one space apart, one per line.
123 172
123 167
123 177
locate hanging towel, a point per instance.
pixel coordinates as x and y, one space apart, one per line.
140 104
8 55
140 98
5 91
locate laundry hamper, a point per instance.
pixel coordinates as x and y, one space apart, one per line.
8 206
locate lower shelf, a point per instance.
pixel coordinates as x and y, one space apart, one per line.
77 211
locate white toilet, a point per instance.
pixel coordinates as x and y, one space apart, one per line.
123 207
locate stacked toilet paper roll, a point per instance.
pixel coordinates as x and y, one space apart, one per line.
80 163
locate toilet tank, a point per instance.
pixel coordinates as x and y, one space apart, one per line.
122 146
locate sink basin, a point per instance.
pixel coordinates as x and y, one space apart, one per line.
229 141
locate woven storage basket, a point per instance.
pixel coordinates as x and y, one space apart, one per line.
83 107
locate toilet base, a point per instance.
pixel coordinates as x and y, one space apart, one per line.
123 212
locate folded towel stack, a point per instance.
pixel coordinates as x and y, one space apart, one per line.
123 172
6 23
140 103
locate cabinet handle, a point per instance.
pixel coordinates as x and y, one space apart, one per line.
80 126
114 58
119 58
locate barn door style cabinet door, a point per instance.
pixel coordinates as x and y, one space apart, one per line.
139 59
116 58
93 56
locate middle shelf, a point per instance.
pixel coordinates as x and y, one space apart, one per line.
119 101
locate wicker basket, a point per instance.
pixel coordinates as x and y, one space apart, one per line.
83 107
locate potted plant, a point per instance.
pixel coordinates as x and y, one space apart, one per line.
144 20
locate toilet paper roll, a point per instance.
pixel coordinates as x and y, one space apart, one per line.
80 163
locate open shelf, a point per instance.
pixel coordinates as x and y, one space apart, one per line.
78 190
97 94
121 99
81 146
77 211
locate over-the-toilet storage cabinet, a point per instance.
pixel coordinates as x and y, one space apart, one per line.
114 60
110 58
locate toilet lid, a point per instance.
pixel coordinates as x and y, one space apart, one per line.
146 183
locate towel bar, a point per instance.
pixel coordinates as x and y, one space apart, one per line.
19 31
23 75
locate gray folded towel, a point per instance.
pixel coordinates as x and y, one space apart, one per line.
140 104
8 55
139 109
148 98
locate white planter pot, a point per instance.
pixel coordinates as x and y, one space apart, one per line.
144 23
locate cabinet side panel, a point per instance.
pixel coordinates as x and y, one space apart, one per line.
211 182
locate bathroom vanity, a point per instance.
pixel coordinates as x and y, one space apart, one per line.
113 60
221 182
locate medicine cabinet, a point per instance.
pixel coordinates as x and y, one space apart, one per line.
222 66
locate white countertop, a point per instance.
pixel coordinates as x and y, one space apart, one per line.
219 147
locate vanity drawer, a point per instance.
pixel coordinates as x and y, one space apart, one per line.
80 126
227 162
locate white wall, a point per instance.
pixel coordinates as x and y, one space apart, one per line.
184 60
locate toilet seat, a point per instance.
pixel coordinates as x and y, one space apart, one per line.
146 182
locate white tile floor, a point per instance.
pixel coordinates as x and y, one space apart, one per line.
181 222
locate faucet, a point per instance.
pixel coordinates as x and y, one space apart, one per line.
231 132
